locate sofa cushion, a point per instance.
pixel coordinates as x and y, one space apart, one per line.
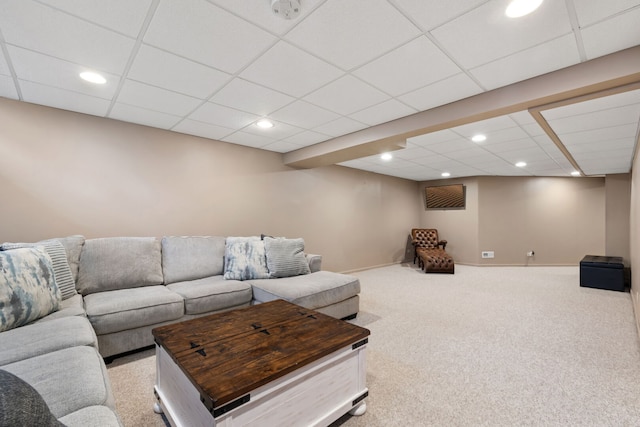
73 306
311 291
211 294
111 263
123 309
191 257
67 379
244 259
36 339
22 405
92 416
59 261
285 257
28 289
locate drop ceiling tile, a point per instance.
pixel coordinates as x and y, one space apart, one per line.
443 92
599 135
383 112
278 131
176 73
8 88
204 130
46 70
107 13
339 127
486 33
142 116
346 95
510 145
42 29
223 116
602 147
433 160
590 12
527 155
540 59
473 155
290 70
63 99
281 147
533 129
306 138
248 139
433 13
250 97
362 29
260 14
451 146
200 31
490 127
412 153
617 33
597 104
305 115
433 138
156 99
522 118
422 63
596 120
4 67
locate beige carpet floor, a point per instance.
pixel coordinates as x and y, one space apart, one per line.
488 346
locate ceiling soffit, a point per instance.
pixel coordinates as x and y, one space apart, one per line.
604 76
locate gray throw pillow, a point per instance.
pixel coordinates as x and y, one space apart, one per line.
285 257
244 259
22 405
28 289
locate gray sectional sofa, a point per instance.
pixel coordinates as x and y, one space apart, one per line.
114 291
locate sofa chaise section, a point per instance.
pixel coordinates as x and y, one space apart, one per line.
334 294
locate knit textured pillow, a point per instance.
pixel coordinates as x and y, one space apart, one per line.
285 257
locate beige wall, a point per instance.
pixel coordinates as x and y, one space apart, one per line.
618 199
459 227
560 219
64 173
634 239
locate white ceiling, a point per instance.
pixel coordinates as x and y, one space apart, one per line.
212 68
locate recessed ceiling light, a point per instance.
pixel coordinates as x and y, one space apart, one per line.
446 174
478 138
386 156
518 8
92 77
575 173
521 164
264 124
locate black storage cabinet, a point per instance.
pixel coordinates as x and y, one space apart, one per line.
602 272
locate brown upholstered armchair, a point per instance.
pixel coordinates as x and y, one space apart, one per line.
427 251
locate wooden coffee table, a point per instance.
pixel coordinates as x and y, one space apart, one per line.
272 364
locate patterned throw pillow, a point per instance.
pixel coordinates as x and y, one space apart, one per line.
61 269
244 259
28 289
285 257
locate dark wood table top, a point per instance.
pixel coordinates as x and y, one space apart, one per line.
227 355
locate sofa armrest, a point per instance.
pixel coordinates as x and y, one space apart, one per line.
315 262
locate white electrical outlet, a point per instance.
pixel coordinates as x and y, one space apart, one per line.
531 253
487 254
